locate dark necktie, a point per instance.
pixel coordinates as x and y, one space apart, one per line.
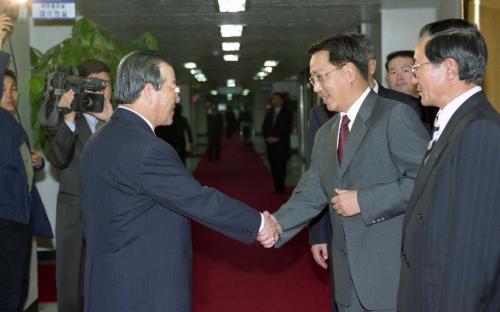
344 132
434 138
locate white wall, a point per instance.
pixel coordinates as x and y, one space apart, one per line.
400 28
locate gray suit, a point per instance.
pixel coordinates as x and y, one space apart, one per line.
381 159
64 153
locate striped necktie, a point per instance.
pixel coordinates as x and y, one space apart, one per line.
432 142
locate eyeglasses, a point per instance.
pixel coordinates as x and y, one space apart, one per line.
313 79
414 68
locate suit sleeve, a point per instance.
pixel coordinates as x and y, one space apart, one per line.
165 179
407 140
62 146
308 198
320 227
471 281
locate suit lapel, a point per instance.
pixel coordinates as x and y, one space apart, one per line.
83 129
332 162
456 124
358 131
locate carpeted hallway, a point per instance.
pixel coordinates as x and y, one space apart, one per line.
229 276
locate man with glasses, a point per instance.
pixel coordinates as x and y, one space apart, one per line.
138 199
451 254
364 162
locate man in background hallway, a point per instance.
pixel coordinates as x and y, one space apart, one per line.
451 253
399 77
276 131
364 161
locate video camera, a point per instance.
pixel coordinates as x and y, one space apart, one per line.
59 82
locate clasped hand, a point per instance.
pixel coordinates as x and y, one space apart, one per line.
270 234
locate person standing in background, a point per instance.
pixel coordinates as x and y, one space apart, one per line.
246 123
399 78
65 149
231 124
176 133
22 214
276 131
215 123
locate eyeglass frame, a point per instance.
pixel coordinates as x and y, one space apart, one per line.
321 77
415 67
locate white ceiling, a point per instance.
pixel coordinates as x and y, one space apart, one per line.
187 30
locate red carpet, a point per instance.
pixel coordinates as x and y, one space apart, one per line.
229 276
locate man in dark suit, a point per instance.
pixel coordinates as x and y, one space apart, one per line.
215 123
176 133
22 214
65 149
137 200
364 161
451 254
276 131
319 228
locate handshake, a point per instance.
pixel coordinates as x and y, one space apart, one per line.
270 233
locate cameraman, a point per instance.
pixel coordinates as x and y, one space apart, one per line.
72 132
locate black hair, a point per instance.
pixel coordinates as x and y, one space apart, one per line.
90 67
343 48
401 53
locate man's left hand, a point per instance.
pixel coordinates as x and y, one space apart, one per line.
346 203
36 158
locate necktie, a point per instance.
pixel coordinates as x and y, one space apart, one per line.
435 131
432 142
344 132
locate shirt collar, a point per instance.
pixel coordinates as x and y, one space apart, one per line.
143 118
445 113
354 109
91 121
375 86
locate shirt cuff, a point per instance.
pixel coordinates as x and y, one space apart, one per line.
262 222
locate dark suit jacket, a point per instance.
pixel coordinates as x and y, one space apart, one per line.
451 249
64 153
319 228
137 201
281 129
17 203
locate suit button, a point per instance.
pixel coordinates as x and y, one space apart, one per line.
419 216
408 263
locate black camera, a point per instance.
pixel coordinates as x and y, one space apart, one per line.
60 81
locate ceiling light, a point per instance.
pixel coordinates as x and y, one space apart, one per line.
231 83
230 46
268 69
195 71
270 63
190 65
200 77
231 57
231 5
245 92
262 74
214 92
231 30
229 96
